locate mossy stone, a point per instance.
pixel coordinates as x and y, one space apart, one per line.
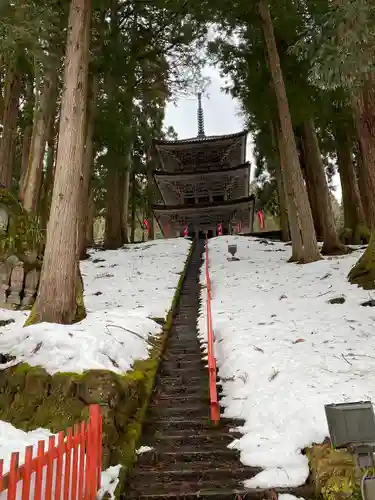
334 473
24 237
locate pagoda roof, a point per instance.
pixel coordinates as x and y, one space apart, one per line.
200 140
190 175
173 185
206 215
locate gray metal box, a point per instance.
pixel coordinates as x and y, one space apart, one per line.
369 487
351 423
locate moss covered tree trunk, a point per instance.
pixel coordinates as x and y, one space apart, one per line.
43 115
363 273
12 90
354 217
59 283
309 248
315 165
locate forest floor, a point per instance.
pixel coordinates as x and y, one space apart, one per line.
288 339
128 293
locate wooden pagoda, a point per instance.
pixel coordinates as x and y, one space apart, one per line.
204 184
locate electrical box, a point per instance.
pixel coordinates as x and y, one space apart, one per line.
369 488
351 423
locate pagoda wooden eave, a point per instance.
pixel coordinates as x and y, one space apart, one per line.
191 175
200 140
206 215
177 185
202 154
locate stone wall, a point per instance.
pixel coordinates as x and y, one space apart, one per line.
21 246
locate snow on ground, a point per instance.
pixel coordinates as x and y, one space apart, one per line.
123 290
284 352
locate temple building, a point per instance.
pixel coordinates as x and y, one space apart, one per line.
204 183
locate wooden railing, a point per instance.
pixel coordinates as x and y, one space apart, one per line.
214 403
69 469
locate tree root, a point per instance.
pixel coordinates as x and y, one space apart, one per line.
363 272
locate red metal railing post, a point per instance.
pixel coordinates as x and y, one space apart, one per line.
71 467
214 403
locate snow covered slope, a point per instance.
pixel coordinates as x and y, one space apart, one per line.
123 290
284 351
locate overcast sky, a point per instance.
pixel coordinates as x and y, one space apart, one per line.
221 116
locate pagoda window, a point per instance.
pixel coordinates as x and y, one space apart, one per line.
189 201
203 199
218 198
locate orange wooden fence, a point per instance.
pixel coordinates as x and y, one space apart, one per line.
214 403
69 469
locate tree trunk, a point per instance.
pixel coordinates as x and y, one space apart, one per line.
57 299
50 171
26 143
362 184
281 188
150 197
12 92
133 208
312 190
90 220
86 171
45 111
125 212
114 204
294 223
363 273
314 163
354 218
310 250
284 223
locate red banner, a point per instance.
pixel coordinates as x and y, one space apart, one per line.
186 232
260 215
220 229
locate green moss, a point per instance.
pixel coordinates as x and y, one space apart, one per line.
360 235
334 473
24 237
363 272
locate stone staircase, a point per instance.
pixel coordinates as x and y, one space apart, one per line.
190 458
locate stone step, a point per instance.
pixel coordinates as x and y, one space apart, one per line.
171 424
195 476
181 378
187 456
207 492
199 440
182 411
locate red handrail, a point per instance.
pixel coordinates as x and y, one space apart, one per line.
214 403
69 469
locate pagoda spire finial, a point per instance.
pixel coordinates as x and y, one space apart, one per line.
200 116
